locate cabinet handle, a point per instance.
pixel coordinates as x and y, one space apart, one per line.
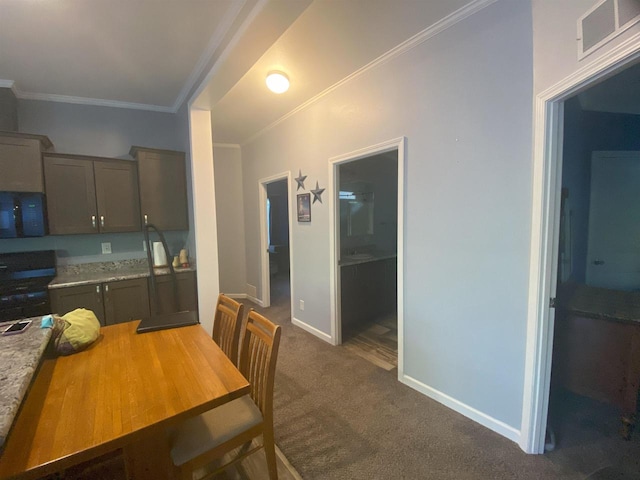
102 220
93 221
146 219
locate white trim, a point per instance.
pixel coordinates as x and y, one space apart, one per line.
419 38
260 4
464 409
312 330
398 144
225 145
237 296
546 162
46 97
214 43
264 256
255 300
8 84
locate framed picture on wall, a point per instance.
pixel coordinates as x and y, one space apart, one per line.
304 207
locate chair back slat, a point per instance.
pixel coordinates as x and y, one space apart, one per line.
227 325
258 357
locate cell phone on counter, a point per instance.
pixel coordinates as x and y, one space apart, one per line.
17 327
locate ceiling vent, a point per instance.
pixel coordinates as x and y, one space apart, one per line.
603 22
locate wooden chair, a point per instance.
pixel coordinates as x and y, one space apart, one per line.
200 440
227 324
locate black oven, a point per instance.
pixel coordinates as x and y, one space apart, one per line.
24 280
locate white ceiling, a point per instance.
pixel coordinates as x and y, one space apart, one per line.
153 54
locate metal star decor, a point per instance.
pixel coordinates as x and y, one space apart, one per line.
317 193
300 180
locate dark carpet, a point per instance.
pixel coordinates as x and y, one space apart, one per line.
337 416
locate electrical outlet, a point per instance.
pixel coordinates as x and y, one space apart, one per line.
106 247
301 304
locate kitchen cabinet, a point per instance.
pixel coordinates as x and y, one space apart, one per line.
187 292
163 187
21 162
367 291
91 194
112 302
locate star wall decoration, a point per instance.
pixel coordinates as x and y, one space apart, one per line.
300 180
317 193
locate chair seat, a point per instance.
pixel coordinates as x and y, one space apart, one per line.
200 434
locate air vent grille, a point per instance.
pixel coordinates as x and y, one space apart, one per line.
603 22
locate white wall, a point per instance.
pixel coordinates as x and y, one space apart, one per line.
230 215
463 100
555 41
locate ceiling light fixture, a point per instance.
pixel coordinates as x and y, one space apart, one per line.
277 82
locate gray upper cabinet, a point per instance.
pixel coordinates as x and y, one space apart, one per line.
21 162
90 194
163 187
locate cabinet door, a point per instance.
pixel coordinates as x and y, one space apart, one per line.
21 165
126 300
116 184
187 292
64 300
71 196
163 188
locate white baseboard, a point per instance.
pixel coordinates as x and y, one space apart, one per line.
237 296
245 296
464 409
312 330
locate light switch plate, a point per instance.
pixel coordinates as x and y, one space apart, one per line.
301 304
106 247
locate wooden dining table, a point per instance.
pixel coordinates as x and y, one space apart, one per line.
123 392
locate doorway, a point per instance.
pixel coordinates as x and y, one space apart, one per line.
275 229
366 218
547 246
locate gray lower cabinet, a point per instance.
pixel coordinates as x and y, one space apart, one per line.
112 302
187 292
367 291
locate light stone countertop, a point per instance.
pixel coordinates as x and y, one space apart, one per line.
346 260
20 356
90 274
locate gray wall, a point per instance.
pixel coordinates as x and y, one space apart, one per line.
230 214
463 100
100 131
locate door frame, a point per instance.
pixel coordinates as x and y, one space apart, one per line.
264 247
545 219
398 144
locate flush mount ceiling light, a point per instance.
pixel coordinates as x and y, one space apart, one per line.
277 82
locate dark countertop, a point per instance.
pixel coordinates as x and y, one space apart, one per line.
20 356
595 302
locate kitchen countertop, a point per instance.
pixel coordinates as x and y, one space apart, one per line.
602 303
20 356
347 260
90 273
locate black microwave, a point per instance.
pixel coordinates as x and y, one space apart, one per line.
22 214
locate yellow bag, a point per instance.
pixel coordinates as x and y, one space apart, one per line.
75 331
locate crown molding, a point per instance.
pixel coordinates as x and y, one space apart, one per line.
95 102
214 43
419 38
8 84
226 145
